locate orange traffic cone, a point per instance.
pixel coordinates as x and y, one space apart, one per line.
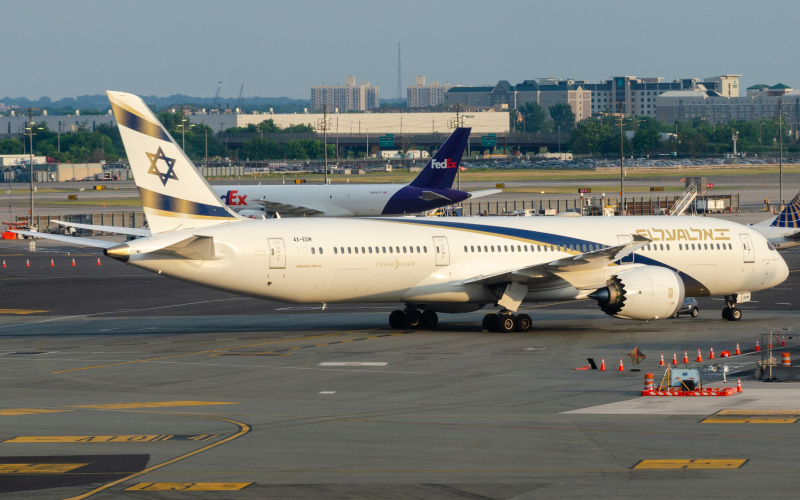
699 358
27 263
52 264
4 264
758 348
769 345
685 357
674 358
98 261
711 353
738 385
73 262
738 351
783 340
661 363
621 368
603 365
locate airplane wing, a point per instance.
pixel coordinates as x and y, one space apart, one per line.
287 209
485 192
107 229
72 240
589 261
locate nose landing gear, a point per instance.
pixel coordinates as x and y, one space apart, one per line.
731 313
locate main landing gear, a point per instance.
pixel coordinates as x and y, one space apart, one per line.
413 318
505 322
731 313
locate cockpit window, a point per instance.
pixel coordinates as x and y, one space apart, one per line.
769 245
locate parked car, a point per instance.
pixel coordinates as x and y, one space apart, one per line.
689 306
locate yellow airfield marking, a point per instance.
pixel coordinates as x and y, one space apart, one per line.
38 468
145 438
243 429
206 352
188 487
27 411
749 420
759 412
690 464
21 311
161 404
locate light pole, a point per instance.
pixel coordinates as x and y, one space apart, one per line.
759 132
30 133
780 153
324 126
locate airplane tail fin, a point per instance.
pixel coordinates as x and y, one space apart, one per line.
441 170
790 216
174 194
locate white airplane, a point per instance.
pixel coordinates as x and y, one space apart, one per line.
431 189
634 267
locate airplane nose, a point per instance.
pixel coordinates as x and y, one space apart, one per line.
782 273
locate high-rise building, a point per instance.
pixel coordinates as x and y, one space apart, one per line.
348 97
426 96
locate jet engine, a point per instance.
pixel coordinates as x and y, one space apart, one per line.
645 293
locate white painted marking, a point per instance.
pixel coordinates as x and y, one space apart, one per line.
327 392
353 363
783 303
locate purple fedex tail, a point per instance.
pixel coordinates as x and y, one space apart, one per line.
440 172
433 187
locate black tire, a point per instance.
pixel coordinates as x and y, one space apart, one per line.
413 319
507 323
397 319
491 323
695 312
735 314
429 319
726 313
524 323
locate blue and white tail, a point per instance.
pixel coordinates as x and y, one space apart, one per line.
174 194
790 216
440 172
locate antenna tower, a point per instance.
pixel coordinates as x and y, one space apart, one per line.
216 97
240 102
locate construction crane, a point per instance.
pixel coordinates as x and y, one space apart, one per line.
240 102
216 97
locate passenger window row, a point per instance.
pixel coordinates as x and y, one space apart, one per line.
377 250
531 248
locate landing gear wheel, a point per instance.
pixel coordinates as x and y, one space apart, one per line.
397 319
726 313
735 314
507 323
524 323
491 323
429 319
695 312
413 318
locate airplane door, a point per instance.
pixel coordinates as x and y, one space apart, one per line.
623 239
747 244
277 253
442 251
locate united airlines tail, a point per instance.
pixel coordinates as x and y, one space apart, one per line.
790 216
440 172
174 194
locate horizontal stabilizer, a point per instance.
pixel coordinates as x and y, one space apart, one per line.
135 231
72 240
433 196
484 192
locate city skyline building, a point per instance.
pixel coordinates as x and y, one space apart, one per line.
347 97
421 95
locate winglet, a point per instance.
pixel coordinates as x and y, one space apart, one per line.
441 170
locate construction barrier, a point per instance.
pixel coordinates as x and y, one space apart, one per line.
786 359
712 391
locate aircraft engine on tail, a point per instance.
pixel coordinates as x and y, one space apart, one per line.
643 293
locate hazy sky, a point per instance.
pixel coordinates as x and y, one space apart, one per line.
62 48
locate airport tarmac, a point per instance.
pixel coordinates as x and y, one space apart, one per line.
117 382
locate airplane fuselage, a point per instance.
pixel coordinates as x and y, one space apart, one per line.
339 200
428 260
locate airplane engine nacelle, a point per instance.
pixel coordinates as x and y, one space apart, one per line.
252 214
644 293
